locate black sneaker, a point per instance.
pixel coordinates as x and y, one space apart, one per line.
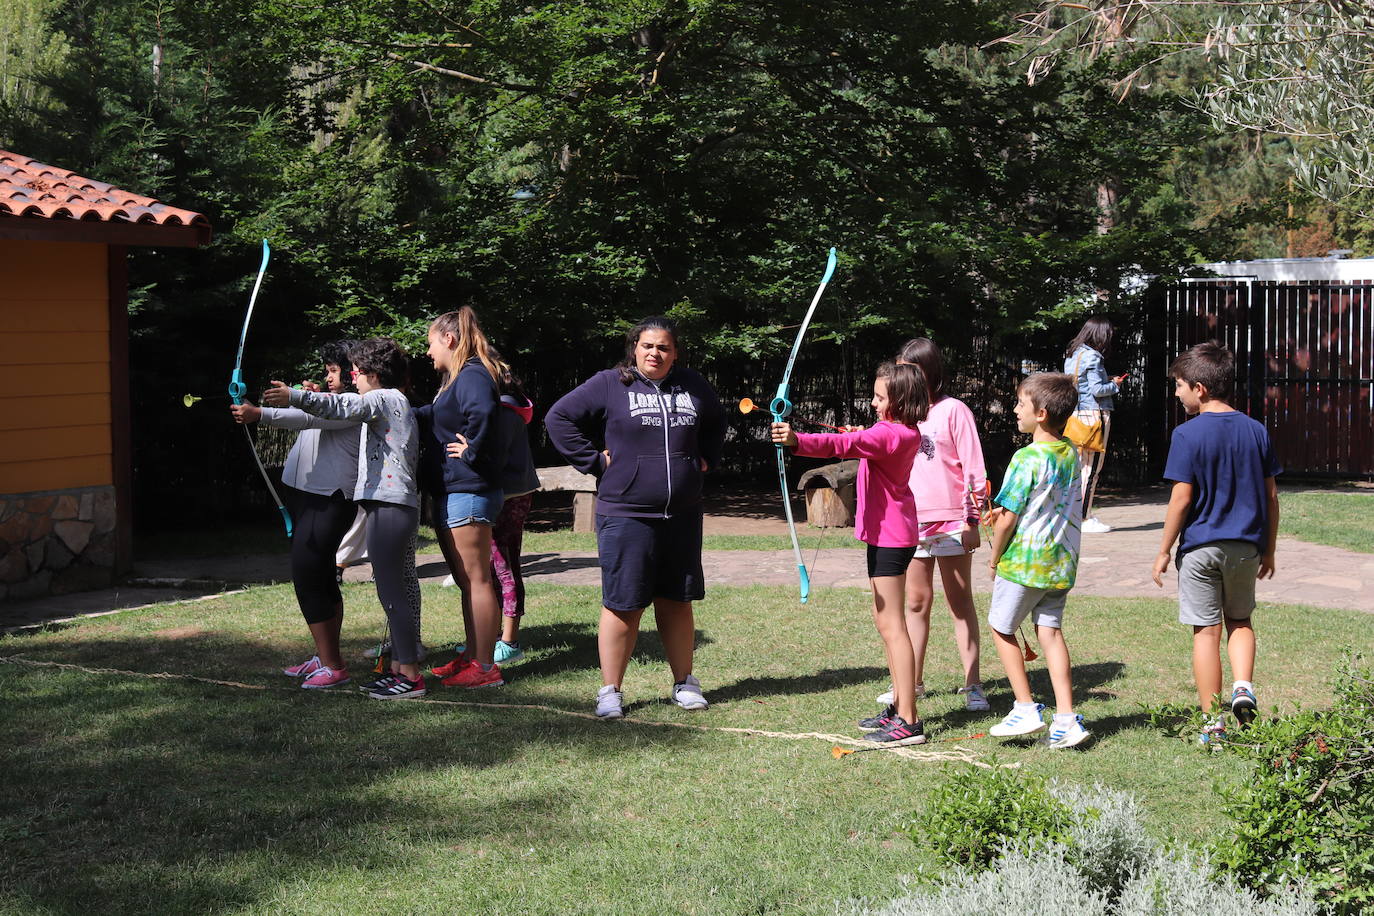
378 683
898 732
400 688
1243 705
874 723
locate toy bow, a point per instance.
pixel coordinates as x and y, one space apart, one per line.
781 408
237 389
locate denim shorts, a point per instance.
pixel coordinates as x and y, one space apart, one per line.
473 508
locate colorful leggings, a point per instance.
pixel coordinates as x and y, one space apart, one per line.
506 535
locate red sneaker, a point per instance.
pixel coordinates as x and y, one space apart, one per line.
452 668
474 676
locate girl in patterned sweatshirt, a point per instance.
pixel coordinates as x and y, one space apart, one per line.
386 489
885 521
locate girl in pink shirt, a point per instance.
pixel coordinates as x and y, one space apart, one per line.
947 480
886 522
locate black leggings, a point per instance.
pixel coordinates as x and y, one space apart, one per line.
320 524
391 549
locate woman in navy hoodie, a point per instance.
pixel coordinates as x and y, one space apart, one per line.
466 485
647 429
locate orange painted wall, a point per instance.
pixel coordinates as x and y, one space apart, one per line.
54 366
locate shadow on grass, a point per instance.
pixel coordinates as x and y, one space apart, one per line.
819 682
176 796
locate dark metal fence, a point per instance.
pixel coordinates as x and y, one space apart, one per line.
1304 363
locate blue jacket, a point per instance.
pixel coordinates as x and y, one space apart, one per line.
657 433
518 475
1095 386
467 407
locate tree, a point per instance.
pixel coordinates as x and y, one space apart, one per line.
1303 69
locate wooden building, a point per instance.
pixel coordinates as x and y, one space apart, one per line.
65 513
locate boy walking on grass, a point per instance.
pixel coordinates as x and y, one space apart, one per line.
1035 544
1224 513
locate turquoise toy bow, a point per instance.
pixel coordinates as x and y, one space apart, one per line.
781 408
237 389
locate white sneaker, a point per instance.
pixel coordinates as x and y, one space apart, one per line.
886 699
609 703
1066 733
974 698
1022 720
688 694
373 651
1095 525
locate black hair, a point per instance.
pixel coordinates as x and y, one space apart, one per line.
1096 333
925 355
335 353
382 357
652 323
1054 393
1208 364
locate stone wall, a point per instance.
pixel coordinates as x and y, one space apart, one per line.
57 541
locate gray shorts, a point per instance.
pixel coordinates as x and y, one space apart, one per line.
1011 603
1216 579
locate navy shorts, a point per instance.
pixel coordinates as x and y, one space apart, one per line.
647 558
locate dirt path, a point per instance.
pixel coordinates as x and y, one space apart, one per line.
1116 564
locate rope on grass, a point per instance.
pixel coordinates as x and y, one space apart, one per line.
954 753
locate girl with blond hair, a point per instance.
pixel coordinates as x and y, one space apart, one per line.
462 473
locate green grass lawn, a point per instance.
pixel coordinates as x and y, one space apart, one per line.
139 795
1340 518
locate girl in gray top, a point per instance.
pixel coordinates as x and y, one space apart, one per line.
389 448
1084 361
320 474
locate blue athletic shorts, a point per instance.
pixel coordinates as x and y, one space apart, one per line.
647 558
473 508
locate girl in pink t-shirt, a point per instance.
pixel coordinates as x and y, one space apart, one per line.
885 521
948 479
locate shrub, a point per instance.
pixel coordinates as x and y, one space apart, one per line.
1044 882
1059 848
1306 815
971 818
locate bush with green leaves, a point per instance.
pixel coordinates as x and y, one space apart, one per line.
970 819
1031 881
1307 812
1019 844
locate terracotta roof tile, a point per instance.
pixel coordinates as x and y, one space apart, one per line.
31 189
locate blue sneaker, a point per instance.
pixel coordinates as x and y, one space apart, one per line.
1021 721
507 652
1213 734
1243 705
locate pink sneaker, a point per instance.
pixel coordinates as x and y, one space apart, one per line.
474 676
304 669
326 676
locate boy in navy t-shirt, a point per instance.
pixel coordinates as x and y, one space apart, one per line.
1224 513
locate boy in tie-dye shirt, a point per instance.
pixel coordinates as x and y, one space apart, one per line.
1035 556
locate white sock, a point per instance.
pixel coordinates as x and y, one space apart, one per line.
1246 684
1064 718
1031 705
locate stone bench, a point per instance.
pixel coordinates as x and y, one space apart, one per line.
583 488
831 492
